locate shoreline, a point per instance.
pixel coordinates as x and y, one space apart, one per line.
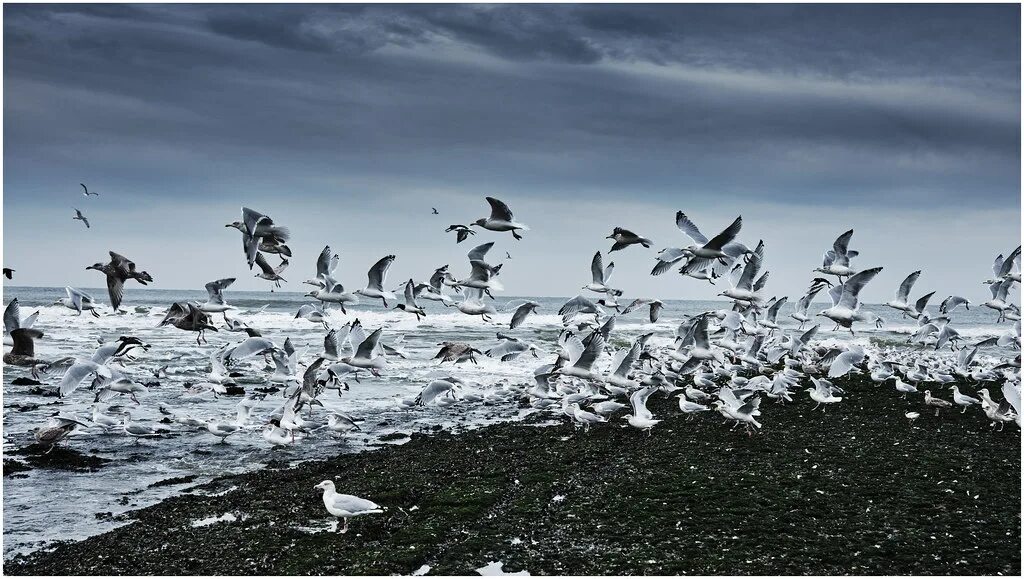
856 489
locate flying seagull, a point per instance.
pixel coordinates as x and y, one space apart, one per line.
80 217
501 219
86 192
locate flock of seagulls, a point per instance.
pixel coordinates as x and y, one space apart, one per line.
725 361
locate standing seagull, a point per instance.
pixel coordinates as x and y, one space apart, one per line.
375 280
501 219
271 274
80 217
119 270
86 192
624 238
346 506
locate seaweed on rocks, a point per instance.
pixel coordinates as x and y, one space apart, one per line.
854 489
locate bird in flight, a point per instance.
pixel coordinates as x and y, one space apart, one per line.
80 217
86 192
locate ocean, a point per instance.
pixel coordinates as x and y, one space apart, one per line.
36 502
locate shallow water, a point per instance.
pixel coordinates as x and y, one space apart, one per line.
35 502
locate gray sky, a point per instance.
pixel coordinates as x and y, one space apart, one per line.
348 123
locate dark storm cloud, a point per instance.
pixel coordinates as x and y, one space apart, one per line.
807 105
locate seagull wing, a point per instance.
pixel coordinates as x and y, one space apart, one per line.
853 285
687 227
379 271
12 316
367 346
478 252
499 210
323 262
730 233
115 289
597 268
903 293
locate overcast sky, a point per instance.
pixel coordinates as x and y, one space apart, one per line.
348 123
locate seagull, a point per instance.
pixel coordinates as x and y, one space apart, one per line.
222 430
410 305
258 229
900 302
119 270
654 305
434 389
845 303
579 305
698 267
999 302
434 211
456 352
474 304
837 260
600 274
746 288
188 317
510 347
715 248
215 303
57 427
624 238
582 358
23 350
341 423
138 430
80 217
585 418
332 292
375 280
461 232
501 219
311 313
13 320
482 275
346 506
271 274
79 301
800 313
522 311
622 365
963 400
367 356
9 273
326 263
905 388
688 407
86 192
822 394
641 417
950 304
938 403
